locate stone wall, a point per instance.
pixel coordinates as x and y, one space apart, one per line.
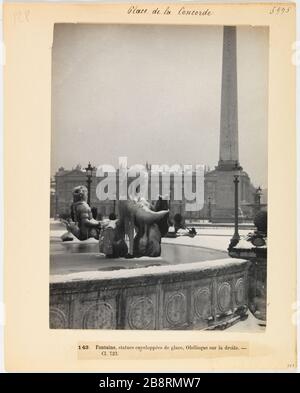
203 295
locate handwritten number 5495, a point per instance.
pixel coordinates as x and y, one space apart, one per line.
279 10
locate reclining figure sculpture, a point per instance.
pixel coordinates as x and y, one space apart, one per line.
143 223
82 224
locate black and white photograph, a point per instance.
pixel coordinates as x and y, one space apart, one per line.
159 177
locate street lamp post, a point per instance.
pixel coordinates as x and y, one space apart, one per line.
209 209
170 196
236 236
89 174
257 200
182 208
258 196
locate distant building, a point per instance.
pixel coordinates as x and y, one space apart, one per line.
65 180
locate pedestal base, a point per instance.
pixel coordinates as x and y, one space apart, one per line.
219 187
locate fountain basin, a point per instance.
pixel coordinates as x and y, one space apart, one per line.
195 295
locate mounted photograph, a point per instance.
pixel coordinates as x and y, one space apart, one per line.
159 177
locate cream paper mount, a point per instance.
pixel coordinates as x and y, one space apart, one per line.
30 344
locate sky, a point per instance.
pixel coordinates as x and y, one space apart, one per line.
153 94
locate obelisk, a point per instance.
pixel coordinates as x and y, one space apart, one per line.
219 187
229 148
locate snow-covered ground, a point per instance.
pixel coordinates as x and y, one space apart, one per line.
214 238
251 324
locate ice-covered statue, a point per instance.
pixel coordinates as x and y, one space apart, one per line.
144 225
139 222
82 224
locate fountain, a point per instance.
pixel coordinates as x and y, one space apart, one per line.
186 287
